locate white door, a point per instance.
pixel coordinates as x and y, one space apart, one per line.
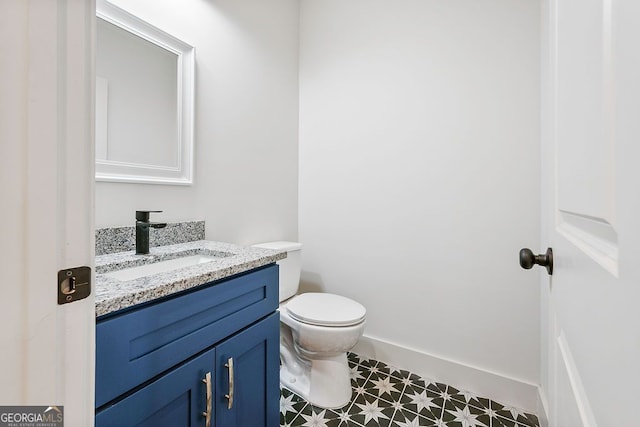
46 203
591 212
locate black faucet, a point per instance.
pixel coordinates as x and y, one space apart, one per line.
142 230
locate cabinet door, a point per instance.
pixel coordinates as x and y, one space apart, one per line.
255 356
177 399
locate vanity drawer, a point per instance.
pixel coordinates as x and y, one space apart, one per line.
138 345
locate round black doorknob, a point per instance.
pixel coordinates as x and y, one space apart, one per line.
528 259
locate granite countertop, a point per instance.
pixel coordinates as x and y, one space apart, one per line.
113 294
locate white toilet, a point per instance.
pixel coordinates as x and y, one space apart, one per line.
316 331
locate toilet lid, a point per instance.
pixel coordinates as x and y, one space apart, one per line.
326 310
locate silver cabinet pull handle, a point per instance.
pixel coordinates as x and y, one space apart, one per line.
229 366
207 414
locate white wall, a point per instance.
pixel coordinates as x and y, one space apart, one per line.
246 122
419 177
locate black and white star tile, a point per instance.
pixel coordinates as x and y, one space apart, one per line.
384 396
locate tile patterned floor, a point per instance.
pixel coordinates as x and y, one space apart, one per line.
384 396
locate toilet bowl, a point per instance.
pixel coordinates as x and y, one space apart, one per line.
316 331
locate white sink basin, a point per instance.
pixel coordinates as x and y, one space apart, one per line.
133 273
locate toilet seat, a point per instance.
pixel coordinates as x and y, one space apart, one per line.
322 309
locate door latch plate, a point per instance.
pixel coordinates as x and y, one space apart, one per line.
73 284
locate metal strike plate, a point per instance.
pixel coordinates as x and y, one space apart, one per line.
73 284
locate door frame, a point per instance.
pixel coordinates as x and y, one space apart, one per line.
47 186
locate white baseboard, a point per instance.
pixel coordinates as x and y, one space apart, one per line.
500 388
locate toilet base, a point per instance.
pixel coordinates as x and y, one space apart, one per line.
325 382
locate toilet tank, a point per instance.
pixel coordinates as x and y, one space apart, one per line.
290 267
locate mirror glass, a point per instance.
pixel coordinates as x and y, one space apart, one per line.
144 101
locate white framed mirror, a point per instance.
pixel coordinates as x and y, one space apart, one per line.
145 81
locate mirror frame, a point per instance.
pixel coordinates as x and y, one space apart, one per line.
182 173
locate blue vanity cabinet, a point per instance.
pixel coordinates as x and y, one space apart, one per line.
151 361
